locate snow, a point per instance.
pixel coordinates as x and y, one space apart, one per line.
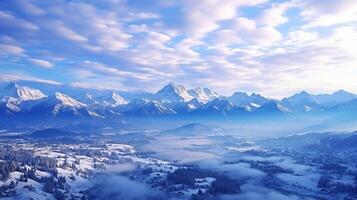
22 192
11 103
42 173
113 99
172 93
68 101
26 93
203 94
22 93
118 99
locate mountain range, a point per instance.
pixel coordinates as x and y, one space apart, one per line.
43 103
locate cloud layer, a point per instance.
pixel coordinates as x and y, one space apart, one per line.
275 48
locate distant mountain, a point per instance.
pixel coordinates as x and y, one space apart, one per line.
271 107
295 141
145 108
193 129
220 107
347 107
61 105
185 107
39 103
341 141
301 102
203 94
335 98
21 93
51 133
172 93
112 99
242 99
314 141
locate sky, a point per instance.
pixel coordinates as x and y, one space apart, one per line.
273 47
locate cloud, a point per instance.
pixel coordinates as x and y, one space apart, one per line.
237 171
31 8
112 185
300 36
9 20
319 13
189 151
63 31
243 24
11 49
143 15
6 77
274 16
252 192
254 46
41 63
199 19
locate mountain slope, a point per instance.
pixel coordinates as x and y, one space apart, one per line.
145 108
22 93
270 107
203 94
172 93
335 98
242 99
301 102
193 129
63 106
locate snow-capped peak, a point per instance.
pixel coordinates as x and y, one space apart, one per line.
68 101
203 94
112 99
118 100
172 93
22 93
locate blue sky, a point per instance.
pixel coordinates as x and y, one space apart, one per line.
272 47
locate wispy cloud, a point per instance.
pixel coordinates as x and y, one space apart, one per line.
6 77
41 63
254 46
11 49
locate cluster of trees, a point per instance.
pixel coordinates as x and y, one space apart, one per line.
188 176
346 188
5 168
55 186
26 162
91 152
13 159
326 181
266 166
220 186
